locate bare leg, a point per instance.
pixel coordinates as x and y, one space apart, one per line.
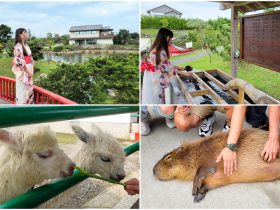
184 123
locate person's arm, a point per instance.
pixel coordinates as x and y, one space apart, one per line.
227 155
271 147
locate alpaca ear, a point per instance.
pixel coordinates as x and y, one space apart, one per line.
9 138
81 134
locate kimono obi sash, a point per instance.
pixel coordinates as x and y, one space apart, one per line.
27 59
147 66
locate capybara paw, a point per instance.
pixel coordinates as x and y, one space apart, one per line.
200 196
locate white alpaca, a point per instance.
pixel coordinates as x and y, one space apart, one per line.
97 154
29 158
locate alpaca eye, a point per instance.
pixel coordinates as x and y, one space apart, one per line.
44 155
168 157
105 159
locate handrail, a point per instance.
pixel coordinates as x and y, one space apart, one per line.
8 94
23 115
38 196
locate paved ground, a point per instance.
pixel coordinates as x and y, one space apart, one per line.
4 102
190 58
175 194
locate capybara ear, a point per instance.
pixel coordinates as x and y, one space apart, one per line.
179 149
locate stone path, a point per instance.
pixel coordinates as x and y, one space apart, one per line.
4 102
192 57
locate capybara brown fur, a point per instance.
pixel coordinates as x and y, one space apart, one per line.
196 161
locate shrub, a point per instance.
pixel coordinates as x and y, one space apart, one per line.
58 49
1 46
10 53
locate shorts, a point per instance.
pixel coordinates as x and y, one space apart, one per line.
203 111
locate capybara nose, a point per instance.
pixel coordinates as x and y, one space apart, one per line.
121 176
71 169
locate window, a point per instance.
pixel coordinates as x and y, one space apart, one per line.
77 32
82 32
88 32
94 32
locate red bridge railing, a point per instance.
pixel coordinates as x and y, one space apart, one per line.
7 93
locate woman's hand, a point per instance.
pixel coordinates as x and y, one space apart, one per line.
184 110
229 160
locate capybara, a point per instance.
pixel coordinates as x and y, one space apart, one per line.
196 161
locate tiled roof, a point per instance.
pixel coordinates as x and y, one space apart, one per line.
88 28
164 9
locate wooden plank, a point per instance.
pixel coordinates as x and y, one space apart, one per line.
241 96
263 4
234 41
241 38
260 14
185 91
251 7
212 92
199 93
231 93
224 74
211 71
262 40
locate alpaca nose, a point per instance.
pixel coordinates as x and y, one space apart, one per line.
71 169
121 176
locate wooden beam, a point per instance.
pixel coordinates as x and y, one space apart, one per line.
185 90
221 85
241 46
234 40
241 10
212 92
251 7
263 4
199 93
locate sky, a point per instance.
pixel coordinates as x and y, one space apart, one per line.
190 9
42 17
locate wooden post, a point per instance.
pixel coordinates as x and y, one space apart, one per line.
234 40
241 96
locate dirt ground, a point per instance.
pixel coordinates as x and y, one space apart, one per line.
92 187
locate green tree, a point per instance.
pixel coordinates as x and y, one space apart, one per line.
50 42
5 33
212 42
164 23
117 39
124 34
1 47
89 82
29 33
49 36
134 35
33 37
10 45
36 54
64 39
56 38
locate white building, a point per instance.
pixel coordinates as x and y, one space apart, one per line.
164 10
91 34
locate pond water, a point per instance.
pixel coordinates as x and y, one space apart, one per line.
77 57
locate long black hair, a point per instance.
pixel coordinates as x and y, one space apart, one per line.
161 43
19 40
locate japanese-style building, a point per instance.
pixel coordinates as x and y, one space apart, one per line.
91 34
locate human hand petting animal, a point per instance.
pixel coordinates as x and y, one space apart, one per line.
132 187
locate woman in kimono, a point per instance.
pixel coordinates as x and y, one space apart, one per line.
158 69
23 68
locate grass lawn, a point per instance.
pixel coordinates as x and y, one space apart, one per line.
128 46
66 138
6 67
263 79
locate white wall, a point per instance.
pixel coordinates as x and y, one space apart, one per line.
85 35
104 41
156 13
71 42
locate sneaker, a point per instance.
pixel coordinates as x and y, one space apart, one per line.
226 127
205 128
170 123
145 127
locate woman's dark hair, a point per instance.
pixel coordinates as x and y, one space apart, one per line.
161 43
19 40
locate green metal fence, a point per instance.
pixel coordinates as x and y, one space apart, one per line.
12 116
